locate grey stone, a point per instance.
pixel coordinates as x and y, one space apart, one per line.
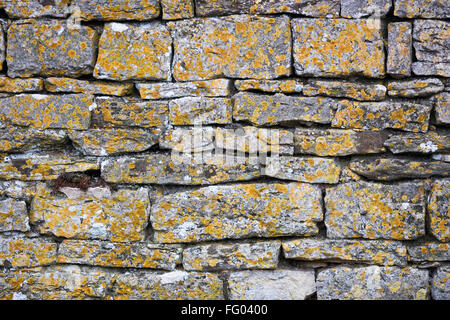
440 285
13 215
280 109
237 211
365 91
372 283
109 88
414 88
232 256
200 110
430 142
421 68
442 108
422 9
12 85
21 190
377 211
275 86
50 48
36 8
272 285
429 251
364 8
400 52
438 208
19 139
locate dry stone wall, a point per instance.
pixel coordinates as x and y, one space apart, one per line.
232 149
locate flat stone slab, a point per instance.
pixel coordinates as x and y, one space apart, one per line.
13 215
438 205
440 288
116 9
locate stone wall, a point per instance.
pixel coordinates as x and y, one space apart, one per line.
232 149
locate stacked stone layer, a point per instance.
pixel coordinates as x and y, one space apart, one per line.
250 149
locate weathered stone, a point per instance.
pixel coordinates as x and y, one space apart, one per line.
442 108
386 253
438 210
440 284
11 85
43 166
414 88
106 141
237 211
232 256
346 89
129 112
365 8
399 52
69 111
276 86
13 215
175 285
2 47
431 44
441 157
19 251
372 283
50 48
403 115
252 140
15 139
272 285
393 168
182 169
177 9
303 169
134 51
234 46
22 190
375 211
430 142
85 86
199 110
121 216
54 283
36 8
429 251
280 109
116 9
188 140
351 47
317 8
169 90
336 142
119 254
422 9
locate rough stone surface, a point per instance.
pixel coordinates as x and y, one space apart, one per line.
304 169
36 8
199 110
429 251
386 253
134 51
21 190
400 52
105 141
431 43
19 251
346 89
422 9
375 211
365 8
177 169
129 112
442 108
119 254
234 46
43 166
280 86
177 9
18 139
233 256
168 90
238 211
90 87
120 216
438 210
440 285
272 285
402 115
351 47
430 142
12 85
319 8
13 215
336 142
372 283
71 111
279 109
116 9
414 88
394 168
50 48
